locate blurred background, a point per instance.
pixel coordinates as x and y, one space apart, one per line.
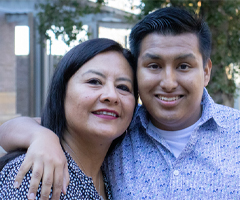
35 34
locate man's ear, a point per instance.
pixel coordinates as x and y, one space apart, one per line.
207 72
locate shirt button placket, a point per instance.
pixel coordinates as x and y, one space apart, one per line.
176 183
176 172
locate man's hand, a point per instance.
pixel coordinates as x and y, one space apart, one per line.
48 163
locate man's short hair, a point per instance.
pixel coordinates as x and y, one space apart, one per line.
171 21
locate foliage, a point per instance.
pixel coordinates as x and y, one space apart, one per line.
63 17
223 18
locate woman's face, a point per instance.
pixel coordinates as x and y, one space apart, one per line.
99 100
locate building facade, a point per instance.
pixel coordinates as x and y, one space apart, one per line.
24 79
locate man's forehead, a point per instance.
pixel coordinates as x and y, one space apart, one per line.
154 45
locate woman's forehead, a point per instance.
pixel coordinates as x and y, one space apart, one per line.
110 63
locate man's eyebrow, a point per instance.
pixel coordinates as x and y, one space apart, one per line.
190 55
94 72
156 57
151 56
124 79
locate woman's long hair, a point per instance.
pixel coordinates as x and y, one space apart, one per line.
53 115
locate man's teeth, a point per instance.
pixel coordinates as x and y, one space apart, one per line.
106 113
169 98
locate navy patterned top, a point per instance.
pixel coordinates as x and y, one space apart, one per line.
80 186
144 167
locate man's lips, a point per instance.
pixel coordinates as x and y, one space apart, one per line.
168 98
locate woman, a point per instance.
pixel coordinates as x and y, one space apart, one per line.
90 103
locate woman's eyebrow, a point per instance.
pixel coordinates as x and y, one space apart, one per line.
102 75
94 72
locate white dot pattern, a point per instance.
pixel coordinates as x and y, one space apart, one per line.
80 187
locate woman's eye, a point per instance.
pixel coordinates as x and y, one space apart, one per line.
183 66
95 82
123 87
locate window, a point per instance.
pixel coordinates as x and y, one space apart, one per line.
21 40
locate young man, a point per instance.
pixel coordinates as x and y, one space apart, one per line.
180 145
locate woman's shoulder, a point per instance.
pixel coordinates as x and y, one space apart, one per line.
13 165
7 178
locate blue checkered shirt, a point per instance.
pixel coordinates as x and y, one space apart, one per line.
142 166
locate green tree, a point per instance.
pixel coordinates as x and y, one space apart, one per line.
223 18
63 17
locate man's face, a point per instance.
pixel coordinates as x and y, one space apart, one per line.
171 79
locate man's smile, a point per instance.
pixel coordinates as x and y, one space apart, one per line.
164 98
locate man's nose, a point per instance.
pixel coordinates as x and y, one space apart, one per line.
168 79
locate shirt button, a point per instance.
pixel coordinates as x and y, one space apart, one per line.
176 172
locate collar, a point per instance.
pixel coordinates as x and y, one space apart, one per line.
140 118
215 111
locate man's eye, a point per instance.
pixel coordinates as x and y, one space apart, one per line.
123 87
183 66
153 66
94 82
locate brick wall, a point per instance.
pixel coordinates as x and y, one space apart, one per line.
7 71
23 85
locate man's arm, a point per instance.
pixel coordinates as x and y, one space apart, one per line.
11 133
44 155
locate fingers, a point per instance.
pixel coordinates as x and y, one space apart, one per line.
54 176
47 181
57 176
66 178
37 173
57 182
61 180
25 167
51 167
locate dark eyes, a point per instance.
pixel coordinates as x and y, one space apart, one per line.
153 66
124 88
183 66
98 82
95 82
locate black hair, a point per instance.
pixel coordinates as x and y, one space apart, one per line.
171 21
53 115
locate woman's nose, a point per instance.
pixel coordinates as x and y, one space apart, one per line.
109 95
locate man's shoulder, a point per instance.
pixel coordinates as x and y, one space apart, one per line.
226 110
226 116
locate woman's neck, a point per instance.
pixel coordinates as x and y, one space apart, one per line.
89 158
